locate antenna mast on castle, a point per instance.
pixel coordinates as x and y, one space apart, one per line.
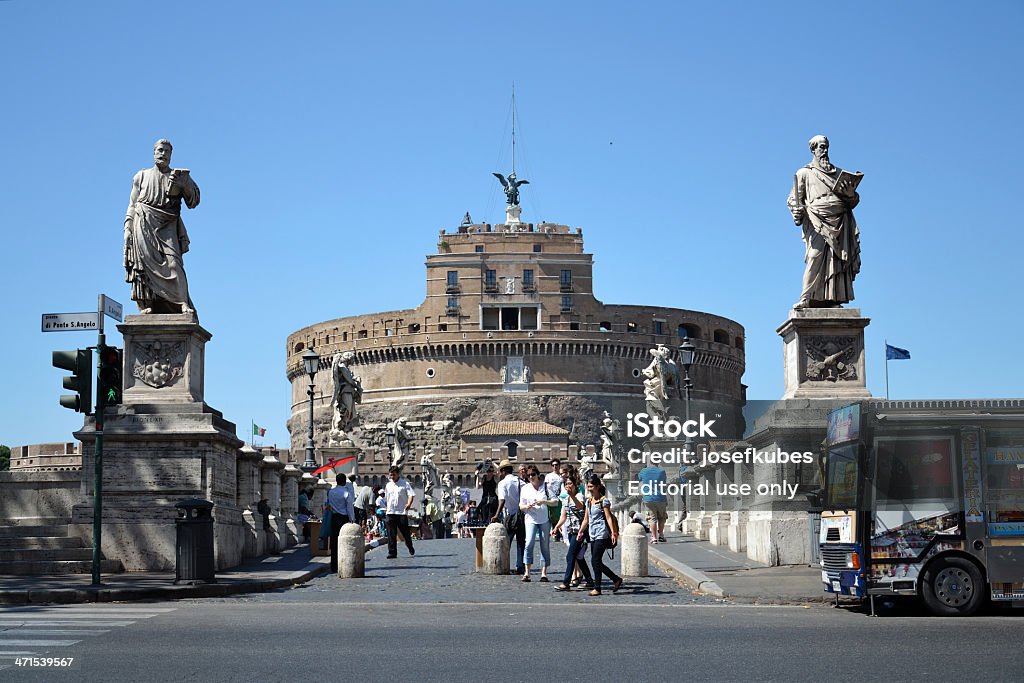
513 127
511 184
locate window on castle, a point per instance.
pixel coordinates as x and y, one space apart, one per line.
527 279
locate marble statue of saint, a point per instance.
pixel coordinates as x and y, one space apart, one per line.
430 478
666 370
587 462
822 202
348 391
511 186
400 451
654 394
154 235
611 434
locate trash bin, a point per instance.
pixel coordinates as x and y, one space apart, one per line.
194 542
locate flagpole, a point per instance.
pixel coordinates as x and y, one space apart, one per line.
886 369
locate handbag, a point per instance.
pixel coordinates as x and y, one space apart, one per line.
512 523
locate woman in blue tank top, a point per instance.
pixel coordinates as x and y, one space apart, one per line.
600 526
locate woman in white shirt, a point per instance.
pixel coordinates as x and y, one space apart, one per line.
534 501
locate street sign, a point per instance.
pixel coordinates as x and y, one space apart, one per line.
70 322
112 308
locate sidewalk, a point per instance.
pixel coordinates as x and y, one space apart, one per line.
716 570
291 567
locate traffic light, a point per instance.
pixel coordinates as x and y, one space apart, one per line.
79 364
111 382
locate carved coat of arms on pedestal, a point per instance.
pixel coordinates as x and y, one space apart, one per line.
831 358
159 364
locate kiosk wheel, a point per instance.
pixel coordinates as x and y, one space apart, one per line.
953 587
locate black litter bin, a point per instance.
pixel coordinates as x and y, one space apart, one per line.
194 546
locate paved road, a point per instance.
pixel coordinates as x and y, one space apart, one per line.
428 618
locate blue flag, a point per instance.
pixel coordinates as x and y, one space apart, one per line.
896 353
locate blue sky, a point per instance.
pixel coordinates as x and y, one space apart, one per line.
332 141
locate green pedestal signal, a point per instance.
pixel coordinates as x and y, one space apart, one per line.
111 381
79 364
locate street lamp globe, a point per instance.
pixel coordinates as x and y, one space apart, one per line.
311 362
686 353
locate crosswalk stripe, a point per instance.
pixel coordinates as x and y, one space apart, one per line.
59 622
55 631
27 616
89 608
16 642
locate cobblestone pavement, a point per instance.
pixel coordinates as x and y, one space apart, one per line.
443 572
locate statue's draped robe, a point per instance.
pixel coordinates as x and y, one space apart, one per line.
831 237
155 239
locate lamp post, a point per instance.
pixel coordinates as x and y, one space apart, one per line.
686 357
311 363
389 438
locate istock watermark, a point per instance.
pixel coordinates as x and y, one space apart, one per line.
643 425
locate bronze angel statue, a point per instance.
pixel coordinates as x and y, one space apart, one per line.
511 186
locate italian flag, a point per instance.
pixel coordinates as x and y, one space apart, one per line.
258 431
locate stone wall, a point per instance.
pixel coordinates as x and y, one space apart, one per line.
38 494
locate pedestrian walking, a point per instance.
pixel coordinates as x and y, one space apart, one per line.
534 501
573 510
508 511
600 527
398 497
340 499
489 497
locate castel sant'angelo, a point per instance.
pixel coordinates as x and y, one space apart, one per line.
511 355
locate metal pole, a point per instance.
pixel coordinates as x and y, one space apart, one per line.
97 499
886 369
687 446
310 449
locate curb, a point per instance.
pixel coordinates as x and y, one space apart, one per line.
170 592
704 583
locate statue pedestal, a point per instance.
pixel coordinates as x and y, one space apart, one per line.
163 358
512 214
824 353
162 445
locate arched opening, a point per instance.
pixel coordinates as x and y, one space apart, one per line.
513 448
721 337
686 330
739 343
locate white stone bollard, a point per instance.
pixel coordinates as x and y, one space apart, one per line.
495 549
351 552
634 550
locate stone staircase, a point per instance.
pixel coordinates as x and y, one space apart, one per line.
40 545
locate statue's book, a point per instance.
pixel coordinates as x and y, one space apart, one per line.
853 176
